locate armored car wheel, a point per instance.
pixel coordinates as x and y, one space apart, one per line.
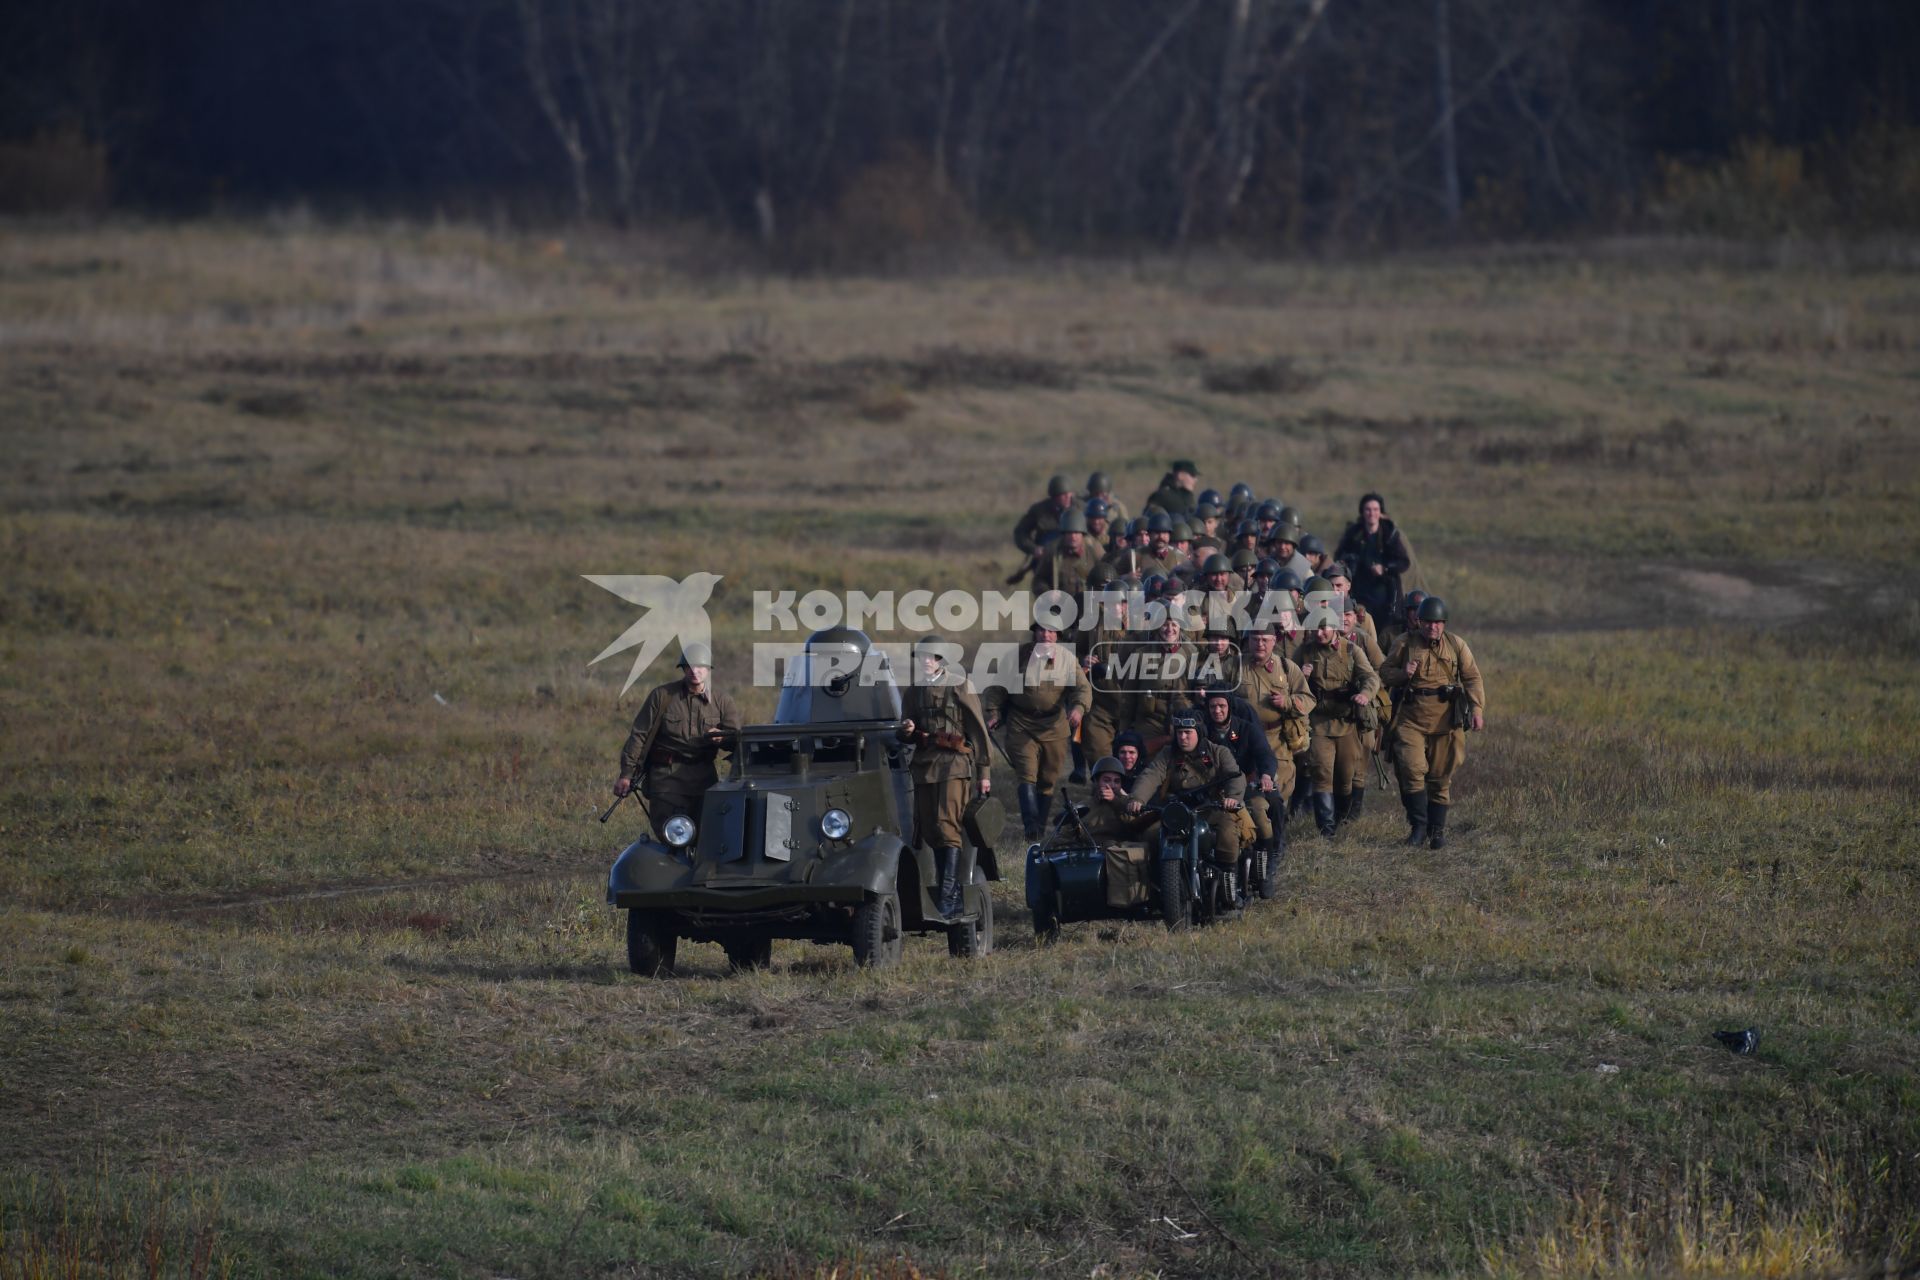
651 942
1175 907
974 937
877 938
754 951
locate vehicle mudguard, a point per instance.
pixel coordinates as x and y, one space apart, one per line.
873 864
982 822
646 866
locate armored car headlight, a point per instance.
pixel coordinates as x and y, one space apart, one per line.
835 824
679 831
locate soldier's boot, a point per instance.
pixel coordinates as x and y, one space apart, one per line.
1436 825
1341 804
1042 805
951 902
1323 813
1356 801
1417 816
1079 775
1302 798
1029 801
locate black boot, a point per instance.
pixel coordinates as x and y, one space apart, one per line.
1436 825
1029 801
1323 813
1042 805
950 900
942 872
1342 806
1417 815
1356 801
1079 776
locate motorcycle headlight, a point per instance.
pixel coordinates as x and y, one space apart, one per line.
679 831
835 824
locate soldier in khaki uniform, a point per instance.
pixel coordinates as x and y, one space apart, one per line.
1441 697
1344 685
1042 521
1357 628
1190 763
1100 485
1111 702
1041 719
679 730
1120 835
1272 682
940 714
1068 562
1161 691
1342 581
1099 526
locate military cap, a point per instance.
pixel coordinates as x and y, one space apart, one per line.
696 655
1318 583
1208 498
1310 545
1336 570
927 647
1245 556
1413 601
1096 509
1241 492
1217 563
1129 738
1159 522
1058 485
1286 533
1154 585
1075 521
1183 720
1290 515
1268 510
1246 529
1099 482
1136 526
1182 531
1433 609
1205 509
1108 764
1207 542
1221 691
1186 465
1285 580
1266 567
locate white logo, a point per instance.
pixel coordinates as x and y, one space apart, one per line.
676 612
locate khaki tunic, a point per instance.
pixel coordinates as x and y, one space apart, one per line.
950 747
1429 742
1156 699
1129 867
1205 766
668 748
1285 725
1111 707
1058 571
1340 672
1039 732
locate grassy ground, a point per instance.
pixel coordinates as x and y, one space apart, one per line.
269 491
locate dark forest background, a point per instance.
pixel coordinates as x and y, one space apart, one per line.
862 124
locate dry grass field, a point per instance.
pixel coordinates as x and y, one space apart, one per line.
305 970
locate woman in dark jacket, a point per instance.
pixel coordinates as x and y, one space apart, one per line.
1376 553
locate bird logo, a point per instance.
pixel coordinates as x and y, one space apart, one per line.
676 615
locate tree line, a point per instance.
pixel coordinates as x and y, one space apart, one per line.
1277 122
